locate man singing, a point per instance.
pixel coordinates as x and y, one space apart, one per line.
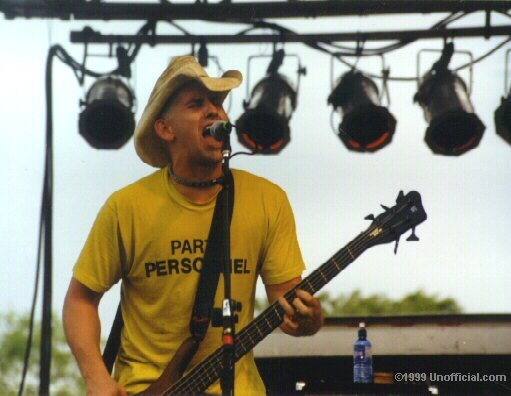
153 233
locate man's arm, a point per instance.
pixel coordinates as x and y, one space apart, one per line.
303 316
83 332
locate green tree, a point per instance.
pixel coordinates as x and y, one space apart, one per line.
355 304
65 376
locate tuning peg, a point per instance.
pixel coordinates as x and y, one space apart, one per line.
412 236
369 217
384 207
400 196
397 244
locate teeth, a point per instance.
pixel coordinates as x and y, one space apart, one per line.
206 131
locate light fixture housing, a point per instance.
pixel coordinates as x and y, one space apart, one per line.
454 128
503 119
264 126
107 120
366 125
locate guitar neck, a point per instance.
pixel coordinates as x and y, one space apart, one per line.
208 371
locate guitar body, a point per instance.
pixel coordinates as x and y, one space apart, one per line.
175 369
386 227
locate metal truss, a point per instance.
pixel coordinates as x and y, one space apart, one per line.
228 10
89 36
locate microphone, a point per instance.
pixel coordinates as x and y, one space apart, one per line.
220 130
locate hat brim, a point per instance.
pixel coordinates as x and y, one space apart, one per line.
148 145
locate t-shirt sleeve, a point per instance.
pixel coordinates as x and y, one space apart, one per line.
283 259
99 265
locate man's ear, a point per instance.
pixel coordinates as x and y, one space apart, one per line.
164 130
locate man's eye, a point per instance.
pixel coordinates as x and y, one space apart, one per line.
196 102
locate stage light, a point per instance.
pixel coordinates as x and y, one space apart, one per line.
503 119
366 125
107 121
264 126
454 128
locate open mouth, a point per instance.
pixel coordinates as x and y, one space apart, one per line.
207 131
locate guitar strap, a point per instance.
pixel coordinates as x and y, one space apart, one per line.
208 282
210 273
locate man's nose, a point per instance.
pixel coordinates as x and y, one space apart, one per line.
213 111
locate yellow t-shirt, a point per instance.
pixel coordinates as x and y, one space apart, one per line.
152 238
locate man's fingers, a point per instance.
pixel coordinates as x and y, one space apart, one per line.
303 316
287 322
306 297
288 309
303 304
301 308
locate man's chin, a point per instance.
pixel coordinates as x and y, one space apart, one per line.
212 160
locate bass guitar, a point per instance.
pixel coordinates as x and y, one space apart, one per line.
386 227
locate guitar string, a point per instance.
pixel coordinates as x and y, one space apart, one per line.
326 268
215 359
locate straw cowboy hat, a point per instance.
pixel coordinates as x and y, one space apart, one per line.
181 70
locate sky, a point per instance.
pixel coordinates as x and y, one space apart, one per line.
463 250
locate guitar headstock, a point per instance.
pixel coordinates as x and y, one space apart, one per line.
405 215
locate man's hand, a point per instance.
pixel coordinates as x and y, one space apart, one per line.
303 316
104 386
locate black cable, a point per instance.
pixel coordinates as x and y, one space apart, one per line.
179 27
77 67
148 28
217 63
401 43
318 46
46 224
372 51
46 321
67 59
353 51
28 347
484 56
450 19
245 153
464 66
45 227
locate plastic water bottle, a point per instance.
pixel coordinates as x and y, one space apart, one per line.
362 358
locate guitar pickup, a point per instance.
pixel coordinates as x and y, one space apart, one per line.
218 314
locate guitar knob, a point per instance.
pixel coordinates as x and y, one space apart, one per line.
400 196
384 207
369 217
412 237
397 244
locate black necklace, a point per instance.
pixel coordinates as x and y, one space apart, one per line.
196 184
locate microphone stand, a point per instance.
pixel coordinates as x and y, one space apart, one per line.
228 306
